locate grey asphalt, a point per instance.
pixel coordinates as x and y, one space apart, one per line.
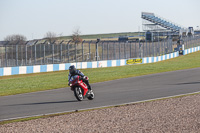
107 93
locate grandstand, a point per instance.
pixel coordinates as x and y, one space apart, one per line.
154 23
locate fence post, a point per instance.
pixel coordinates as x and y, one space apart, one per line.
102 50
143 48
89 51
75 51
196 41
31 47
159 48
61 50
68 50
166 46
130 50
114 50
171 49
107 51
17 53
153 48
184 40
65 52
6 55
164 49
35 54
192 42
97 54
146 49
44 52
53 52
125 50
82 51
119 50
150 43
135 51
26 55
140 49
40 53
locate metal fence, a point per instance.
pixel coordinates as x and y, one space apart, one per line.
41 52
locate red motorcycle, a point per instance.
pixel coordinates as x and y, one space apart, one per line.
80 88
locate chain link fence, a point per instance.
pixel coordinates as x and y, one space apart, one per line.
40 52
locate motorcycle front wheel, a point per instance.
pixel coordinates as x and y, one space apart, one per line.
91 95
78 92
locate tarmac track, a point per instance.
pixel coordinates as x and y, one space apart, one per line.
106 93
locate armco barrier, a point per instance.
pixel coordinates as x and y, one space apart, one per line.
191 50
82 65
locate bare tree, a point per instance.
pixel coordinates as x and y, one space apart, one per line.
50 37
76 35
17 51
16 38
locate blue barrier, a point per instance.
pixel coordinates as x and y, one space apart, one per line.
83 65
191 50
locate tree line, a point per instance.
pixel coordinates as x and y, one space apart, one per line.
50 37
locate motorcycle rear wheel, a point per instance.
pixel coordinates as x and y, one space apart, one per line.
78 92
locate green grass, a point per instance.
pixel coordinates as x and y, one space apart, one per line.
108 35
10 85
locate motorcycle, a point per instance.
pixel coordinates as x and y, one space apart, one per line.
80 88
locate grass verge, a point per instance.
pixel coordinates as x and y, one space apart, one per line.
10 85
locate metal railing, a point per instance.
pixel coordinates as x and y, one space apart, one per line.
40 52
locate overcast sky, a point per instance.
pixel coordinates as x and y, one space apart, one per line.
33 18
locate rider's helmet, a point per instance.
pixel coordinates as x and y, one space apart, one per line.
72 69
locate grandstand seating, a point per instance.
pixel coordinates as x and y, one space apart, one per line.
161 22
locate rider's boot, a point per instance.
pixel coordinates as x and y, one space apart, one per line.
89 87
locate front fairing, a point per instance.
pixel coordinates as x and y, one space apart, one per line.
74 80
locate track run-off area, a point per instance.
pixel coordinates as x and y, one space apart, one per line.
108 93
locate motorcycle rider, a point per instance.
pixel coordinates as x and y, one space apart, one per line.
73 71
